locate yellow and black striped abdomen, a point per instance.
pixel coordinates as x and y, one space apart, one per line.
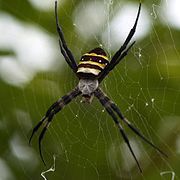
92 63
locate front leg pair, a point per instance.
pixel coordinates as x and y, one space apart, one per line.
46 120
111 108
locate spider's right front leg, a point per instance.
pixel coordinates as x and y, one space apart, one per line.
55 108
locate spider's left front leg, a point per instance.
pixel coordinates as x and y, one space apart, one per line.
55 108
104 100
134 129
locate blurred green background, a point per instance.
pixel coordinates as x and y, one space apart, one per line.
83 138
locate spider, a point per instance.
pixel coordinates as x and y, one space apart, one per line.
93 67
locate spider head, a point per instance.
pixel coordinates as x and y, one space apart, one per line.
92 63
87 87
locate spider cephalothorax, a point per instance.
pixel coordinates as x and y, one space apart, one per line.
91 70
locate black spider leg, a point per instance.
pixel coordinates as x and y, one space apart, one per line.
55 108
106 103
120 54
63 46
42 120
134 129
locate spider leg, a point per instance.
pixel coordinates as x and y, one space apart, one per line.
36 128
134 129
65 55
129 37
50 117
67 52
109 68
42 120
121 56
118 55
55 108
106 103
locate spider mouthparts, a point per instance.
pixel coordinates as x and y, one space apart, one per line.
87 99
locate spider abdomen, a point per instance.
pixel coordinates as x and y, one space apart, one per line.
92 63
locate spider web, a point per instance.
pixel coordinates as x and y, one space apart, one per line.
83 142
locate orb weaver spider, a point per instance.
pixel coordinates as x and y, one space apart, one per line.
93 67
